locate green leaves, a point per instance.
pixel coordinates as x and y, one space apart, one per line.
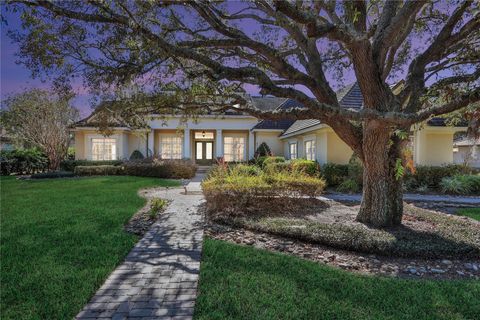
399 169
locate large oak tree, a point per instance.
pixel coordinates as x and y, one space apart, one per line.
288 49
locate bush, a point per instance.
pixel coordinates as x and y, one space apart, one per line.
355 170
22 161
166 169
69 165
136 155
157 205
236 191
105 170
312 168
53 174
263 150
461 184
334 174
432 176
263 161
274 167
246 170
349 186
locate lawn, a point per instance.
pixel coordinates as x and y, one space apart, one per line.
238 282
61 238
473 213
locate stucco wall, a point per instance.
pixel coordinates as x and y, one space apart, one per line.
271 139
136 141
433 147
79 145
337 150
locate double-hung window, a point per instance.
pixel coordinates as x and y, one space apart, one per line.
293 150
171 147
310 149
234 149
104 149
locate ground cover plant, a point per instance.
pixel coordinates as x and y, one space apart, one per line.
61 238
238 282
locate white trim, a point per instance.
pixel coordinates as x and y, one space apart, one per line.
312 128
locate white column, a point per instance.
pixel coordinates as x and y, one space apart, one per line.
186 143
251 145
219 143
150 142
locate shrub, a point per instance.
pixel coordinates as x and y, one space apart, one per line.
349 186
334 174
247 170
69 165
432 176
237 191
53 174
105 170
461 184
263 161
355 170
166 169
157 205
136 155
263 150
22 161
312 168
275 167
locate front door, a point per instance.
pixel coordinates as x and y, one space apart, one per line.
204 152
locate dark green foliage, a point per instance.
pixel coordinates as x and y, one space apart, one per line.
349 186
61 238
355 170
431 176
334 174
22 161
136 155
473 213
239 282
69 165
167 169
263 150
53 174
461 184
104 170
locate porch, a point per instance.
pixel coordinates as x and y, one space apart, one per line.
202 145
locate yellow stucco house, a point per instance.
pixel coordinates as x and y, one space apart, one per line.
235 137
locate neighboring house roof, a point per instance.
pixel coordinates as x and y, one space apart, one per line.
301 125
466 142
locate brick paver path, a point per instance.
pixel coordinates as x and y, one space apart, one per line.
158 279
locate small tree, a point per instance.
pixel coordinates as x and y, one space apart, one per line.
263 150
41 119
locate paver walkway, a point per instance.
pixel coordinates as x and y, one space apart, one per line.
158 279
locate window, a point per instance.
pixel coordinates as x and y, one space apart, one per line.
310 149
104 149
293 150
234 148
204 135
171 147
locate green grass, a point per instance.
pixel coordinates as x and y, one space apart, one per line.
238 282
473 213
60 238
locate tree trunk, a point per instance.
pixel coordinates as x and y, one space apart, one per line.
382 203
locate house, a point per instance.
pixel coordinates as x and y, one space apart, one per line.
467 151
235 136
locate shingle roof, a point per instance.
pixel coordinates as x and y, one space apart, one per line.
350 97
267 103
301 125
273 124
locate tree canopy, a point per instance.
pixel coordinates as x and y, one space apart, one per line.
293 49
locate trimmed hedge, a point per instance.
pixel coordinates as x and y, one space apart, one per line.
105 170
166 169
53 175
312 168
334 173
69 165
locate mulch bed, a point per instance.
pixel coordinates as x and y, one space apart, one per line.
141 221
348 260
